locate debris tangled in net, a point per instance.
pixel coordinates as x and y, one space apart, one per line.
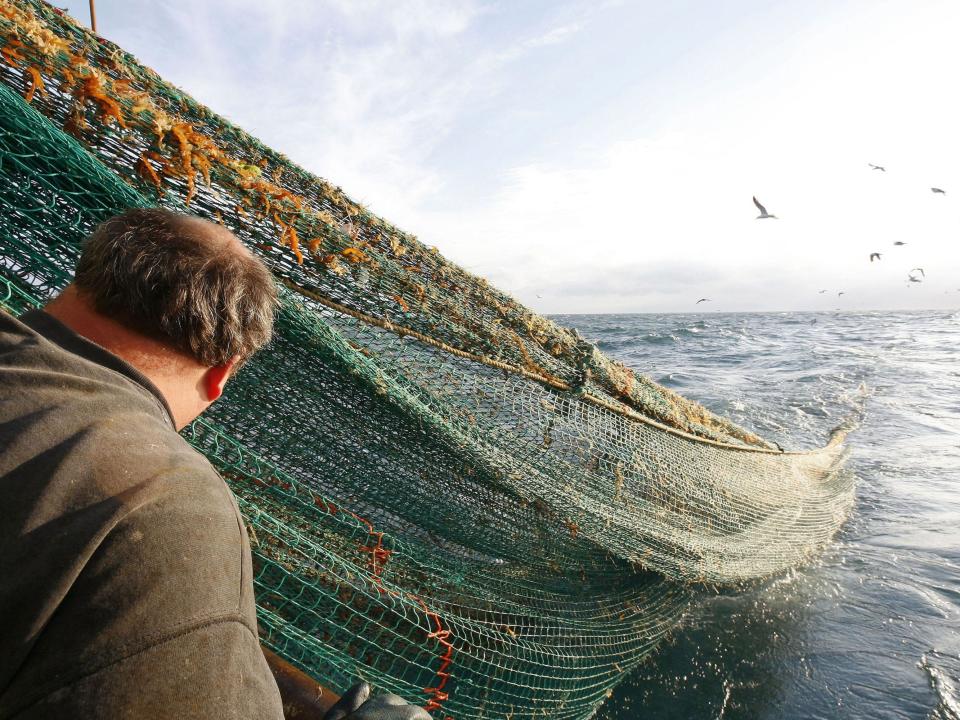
447 494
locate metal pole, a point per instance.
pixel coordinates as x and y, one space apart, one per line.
93 17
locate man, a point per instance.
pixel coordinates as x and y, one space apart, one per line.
125 571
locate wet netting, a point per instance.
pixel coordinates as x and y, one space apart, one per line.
447 494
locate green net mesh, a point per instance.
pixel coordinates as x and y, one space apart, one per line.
447 494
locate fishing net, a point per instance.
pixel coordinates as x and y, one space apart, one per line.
447 494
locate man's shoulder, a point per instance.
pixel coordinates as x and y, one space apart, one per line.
213 670
40 357
10 327
138 545
117 536
67 418
90 442
128 448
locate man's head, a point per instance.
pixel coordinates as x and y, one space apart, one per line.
179 297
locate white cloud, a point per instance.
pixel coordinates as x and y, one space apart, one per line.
358 92
365 92
553 36
411 19
355 91
799 134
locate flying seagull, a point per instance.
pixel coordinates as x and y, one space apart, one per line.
898 243
821 292
913 278
938 190
874 255
920 269
763 211
702 300
842 292
877 167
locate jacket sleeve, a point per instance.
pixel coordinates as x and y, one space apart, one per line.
216 670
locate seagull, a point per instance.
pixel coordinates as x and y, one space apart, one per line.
702 300
874 255
877 167
920 269
898 243
842 292
763 211
913 278
821 292
938 190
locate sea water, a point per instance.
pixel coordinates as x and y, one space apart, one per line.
872 628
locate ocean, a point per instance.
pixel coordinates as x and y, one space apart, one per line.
872 628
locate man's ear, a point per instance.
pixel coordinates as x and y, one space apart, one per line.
215 378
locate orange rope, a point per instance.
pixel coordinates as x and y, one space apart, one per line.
379 555
443 637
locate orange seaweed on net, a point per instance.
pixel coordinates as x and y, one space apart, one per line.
196 151
325 217
140 102
122 85
397 247
295 243
78 62
166 167
292 198
332 263
90 87
34 83
202 163
147 172
270 193
191 190
11 52
289 238
204 145
267 202
181 134
402 303
37 31
354 255
283 228
76 121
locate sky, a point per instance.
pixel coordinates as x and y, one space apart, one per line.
600 156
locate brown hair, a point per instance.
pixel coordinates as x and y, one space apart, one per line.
181 280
